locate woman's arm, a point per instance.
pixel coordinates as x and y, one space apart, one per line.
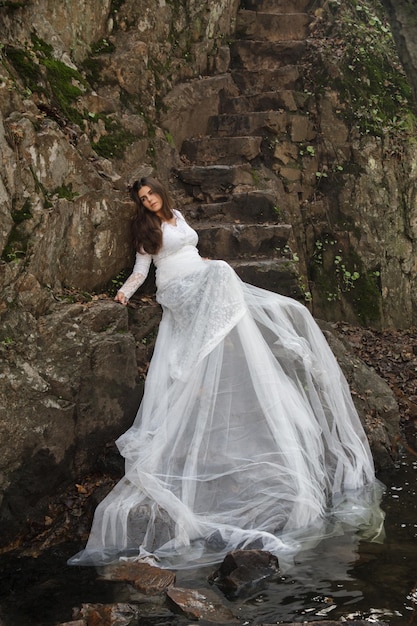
136 279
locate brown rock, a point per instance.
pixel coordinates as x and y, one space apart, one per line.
119 614
273 27
290 174
252 82
279 275
216 181
253 207
190 105
286 152
77 361
242 571
301 128
211 150
240 239
258 55
252 123
201 604
261 102
146 578
278 6
373 398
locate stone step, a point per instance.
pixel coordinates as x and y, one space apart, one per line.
272 26
278 6
277 275
225 241
271 101
299 127
222 150
251 207
253 123
251 81
265 55
216 182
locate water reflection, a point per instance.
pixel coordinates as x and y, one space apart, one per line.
342 576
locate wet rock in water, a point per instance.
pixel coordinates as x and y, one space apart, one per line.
119 614
244 571
146 578
201 604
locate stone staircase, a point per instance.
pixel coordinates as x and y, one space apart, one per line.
234 208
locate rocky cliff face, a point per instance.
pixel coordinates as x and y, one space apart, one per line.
367 170
403 21
222 103
82 86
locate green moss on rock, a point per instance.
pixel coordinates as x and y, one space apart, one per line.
366 298
338 274
66 191
20 215
15 247
40 72
373 87
115 142
26 68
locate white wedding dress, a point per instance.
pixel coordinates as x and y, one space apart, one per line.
246 437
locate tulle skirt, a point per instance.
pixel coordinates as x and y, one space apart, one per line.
246 437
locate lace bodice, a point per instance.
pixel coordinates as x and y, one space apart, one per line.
174 238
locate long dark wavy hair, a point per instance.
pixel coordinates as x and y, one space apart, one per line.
147 232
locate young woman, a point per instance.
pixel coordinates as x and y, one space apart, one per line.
247 435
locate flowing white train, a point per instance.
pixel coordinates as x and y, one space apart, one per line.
246 437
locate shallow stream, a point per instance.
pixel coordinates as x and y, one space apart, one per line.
340 578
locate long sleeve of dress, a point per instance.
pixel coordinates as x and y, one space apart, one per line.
138 275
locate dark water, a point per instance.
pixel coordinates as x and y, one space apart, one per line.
341 577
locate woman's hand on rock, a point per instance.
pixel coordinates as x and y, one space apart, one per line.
120 297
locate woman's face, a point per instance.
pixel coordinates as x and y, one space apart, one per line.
151 200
